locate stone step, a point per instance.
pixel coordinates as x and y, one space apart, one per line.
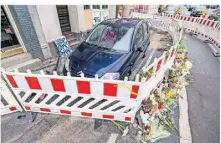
14 60
22 67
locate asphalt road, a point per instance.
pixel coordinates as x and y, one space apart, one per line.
204 93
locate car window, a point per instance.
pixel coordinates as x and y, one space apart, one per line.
145 29
139 36
112 37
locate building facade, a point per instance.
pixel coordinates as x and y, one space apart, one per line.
34 28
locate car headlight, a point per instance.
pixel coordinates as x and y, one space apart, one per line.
113 75
67 65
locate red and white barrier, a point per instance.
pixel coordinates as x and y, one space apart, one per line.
8 102
208 29
76 95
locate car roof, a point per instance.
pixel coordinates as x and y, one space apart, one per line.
123 22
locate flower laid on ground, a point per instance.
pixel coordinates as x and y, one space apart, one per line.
156 114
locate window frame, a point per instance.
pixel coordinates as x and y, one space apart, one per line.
85 7
135 38
106 7
145 32
96 7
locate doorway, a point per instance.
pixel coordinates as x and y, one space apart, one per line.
9 42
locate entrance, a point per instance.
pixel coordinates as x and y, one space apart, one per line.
9 43
64 18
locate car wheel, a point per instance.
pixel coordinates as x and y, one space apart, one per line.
65 71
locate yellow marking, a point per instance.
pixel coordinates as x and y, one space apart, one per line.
128 88
11 52
205 12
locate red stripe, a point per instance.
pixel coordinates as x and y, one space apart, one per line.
208 23
13 108
181 17
212 23
135 89
58 85
151 92
110 89
192 19
172 53
166 57
12 81
27 107
127 118
140 79
45 109
33 82
86 114
201 21
202 34
108 116
184 18
159 64
151 69
65 111
204 22
83 87
188 19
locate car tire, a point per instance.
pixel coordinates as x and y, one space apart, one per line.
125 73
65 71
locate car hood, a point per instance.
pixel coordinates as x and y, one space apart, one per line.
92 60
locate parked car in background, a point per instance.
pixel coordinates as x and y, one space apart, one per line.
171 9
112 48
197 11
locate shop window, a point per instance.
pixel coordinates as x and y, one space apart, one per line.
104 6
8 37
86 6
96 6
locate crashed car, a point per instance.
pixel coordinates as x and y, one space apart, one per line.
111 49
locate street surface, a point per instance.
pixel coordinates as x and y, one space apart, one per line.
204 93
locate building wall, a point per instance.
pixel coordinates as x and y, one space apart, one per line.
49 20
76 16
112 11
39 31
26 29
88 19
127 10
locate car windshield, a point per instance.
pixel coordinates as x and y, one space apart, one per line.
111 37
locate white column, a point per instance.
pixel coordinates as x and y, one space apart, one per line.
48 16
76 16
39 31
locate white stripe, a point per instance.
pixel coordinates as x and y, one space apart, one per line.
184 127
123 90
46 84
21 82
70 86
96 88
112 138
35 98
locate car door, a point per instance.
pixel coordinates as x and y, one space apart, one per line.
146 40
135 54
138 44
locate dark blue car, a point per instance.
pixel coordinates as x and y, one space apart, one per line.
111 49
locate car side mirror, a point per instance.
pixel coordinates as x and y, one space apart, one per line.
88 31
139 49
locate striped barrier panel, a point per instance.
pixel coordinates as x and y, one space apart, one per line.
208 29
78 96
8 102
199 20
